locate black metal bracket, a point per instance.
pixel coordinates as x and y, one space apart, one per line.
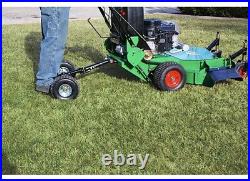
215 43
242 51
238 53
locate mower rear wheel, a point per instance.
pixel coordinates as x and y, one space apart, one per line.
65 87
66 67
169 76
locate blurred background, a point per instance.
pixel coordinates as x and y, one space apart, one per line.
22 15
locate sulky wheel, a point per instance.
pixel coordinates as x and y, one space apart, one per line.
64 87
169 76
66 67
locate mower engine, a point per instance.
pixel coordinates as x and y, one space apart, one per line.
161 36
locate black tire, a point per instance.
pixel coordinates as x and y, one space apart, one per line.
169 76
66 67
64 87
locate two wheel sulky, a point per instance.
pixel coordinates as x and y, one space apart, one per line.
65 85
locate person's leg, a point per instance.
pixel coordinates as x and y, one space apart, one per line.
54 22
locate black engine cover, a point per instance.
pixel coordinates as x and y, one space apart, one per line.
161 33
133 15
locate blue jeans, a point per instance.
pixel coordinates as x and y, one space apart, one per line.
54 22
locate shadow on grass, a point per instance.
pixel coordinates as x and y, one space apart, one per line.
95 56
7 167
32 49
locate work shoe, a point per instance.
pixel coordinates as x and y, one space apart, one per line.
43 89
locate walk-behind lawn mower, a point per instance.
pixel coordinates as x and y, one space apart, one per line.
150 50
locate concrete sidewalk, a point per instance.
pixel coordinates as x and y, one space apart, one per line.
32 15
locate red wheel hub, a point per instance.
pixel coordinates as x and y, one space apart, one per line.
173 78
242 72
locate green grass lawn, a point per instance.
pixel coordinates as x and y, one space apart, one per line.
198 130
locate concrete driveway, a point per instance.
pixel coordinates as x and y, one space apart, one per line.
32 15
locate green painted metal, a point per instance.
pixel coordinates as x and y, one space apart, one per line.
134 62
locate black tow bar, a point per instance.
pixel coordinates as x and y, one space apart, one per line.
84 70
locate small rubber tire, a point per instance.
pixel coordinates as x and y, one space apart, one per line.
241 69
66 67
169 76
65 87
